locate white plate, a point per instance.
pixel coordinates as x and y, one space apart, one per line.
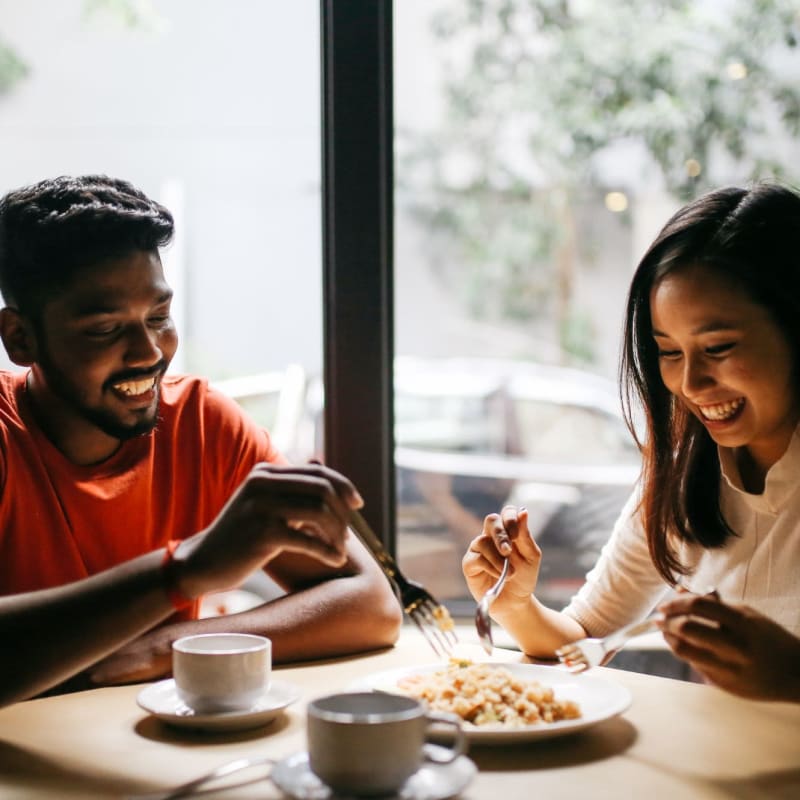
599 699
431 781
161 699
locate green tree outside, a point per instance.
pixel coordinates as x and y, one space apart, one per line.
537 92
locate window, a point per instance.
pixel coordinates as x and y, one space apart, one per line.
539 148
214 109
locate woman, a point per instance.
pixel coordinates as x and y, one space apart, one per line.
712 354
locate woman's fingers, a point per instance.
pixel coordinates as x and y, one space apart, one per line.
733 646
484 547
506 535
476 564
507 529
521 536
501 530
691 638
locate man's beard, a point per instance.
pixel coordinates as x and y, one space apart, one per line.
112 427
104 420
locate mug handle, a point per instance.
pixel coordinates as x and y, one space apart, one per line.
440 754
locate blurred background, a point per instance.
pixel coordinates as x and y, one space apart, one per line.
539 146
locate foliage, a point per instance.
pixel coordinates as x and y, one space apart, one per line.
130 13
12 68
542 97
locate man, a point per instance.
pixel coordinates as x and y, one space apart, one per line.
126 494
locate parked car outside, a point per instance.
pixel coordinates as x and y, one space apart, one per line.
472 435
475 434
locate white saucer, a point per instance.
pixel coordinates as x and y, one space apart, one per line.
432 781
161 699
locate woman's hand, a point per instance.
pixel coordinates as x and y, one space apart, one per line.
734 647
504 534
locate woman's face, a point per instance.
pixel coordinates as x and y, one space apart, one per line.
726 359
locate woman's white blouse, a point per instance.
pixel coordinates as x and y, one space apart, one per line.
760 567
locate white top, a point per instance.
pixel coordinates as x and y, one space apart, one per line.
760 567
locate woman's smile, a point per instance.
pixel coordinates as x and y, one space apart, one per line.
723 412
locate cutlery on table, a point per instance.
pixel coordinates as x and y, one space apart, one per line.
190 787
429 615
483 622
591 652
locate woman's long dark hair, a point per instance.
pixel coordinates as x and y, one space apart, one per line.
752 237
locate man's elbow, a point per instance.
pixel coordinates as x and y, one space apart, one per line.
385 613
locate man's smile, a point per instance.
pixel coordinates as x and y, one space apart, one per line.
135 388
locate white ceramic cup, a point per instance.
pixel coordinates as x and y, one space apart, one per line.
219 672
370 743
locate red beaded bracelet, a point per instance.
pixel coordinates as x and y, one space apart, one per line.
179 601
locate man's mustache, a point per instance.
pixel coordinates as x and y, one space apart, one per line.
137 374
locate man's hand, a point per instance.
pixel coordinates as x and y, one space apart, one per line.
146 658
734 647
276 509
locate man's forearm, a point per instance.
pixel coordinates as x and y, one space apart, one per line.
52 634
336 617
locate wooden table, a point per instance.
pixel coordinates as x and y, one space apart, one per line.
677 740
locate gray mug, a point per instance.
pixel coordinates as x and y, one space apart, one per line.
371 743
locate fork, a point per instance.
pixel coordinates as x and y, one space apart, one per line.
590 652
429 615
483 622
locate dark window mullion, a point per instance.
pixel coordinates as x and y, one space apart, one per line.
357 133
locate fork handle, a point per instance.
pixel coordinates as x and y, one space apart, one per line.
495 589
635 629
385 560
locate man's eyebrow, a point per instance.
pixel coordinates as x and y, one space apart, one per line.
96 306
708 327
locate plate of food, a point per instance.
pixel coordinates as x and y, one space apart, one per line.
503 702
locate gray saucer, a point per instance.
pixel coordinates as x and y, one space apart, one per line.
161 699
432 781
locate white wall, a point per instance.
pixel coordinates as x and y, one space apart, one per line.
222 98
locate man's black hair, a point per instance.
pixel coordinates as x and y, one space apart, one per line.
52 229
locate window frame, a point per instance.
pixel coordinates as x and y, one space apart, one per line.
357 218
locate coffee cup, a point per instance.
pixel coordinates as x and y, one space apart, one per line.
221 672
371 743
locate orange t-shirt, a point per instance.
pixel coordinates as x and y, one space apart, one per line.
60 522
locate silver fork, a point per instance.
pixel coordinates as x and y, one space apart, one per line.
587 653
483 622
429 615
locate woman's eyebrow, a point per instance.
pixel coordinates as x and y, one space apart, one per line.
706 327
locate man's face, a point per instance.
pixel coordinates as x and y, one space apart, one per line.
103 346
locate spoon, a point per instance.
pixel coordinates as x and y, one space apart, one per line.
483 622
193 786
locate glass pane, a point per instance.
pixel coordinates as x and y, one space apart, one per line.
214 109
539 148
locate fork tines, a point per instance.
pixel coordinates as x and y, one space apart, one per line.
435 624
431 617
573 658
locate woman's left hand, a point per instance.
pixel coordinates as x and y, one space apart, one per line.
734 647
